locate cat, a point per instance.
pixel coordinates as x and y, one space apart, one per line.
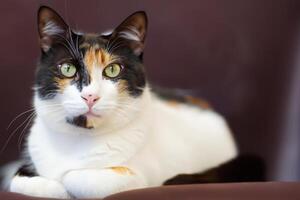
100 128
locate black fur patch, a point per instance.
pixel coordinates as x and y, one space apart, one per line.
80 121
181 96
48 71
241 169
169 94
134 73
26 170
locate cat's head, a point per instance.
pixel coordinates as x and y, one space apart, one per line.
89 80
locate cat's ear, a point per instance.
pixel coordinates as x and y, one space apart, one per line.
50 27
133 30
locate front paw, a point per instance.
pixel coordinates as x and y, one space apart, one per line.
39 187
100 183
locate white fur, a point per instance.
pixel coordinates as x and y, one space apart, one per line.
51 28
161 142
110 183
151 138
131 34
107 32
39 187
7 172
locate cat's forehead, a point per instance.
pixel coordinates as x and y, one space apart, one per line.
94 51
91 40
97 57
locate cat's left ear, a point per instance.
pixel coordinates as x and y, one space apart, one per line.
51 27
133 31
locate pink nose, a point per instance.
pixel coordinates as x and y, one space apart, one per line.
90 99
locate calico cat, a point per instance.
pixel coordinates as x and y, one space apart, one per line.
100 128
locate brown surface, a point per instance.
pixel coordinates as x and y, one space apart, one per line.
239 191
13 196
241 55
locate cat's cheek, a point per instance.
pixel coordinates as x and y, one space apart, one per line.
72 101
122 86
70 92
108 89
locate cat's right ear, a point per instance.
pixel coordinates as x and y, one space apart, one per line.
51 26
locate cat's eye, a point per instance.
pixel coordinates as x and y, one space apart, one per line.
68 70
112 70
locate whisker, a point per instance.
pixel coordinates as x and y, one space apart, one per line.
23 131
13 133
21 136
113 43
117 46
23 113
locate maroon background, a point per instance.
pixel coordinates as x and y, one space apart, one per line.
241 55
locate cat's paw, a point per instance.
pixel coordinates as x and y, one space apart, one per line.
39 187
100 183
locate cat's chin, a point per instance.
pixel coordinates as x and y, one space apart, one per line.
91 115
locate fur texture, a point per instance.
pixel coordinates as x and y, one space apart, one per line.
129 138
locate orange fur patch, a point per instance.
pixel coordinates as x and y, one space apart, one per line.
122 86
173 103
96 57
90 59
198 102
89 123
122 170
62 83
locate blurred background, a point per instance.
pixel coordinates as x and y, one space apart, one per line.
243 56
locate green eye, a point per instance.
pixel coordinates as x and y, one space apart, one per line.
112 70
68 70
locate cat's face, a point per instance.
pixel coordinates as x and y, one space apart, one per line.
89 80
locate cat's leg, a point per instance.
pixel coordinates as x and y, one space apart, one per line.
38 186
99 183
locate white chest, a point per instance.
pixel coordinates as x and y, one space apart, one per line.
54 153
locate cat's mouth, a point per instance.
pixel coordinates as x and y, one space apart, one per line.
84 120
91 114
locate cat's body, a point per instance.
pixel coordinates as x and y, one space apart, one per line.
164 140
132 139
